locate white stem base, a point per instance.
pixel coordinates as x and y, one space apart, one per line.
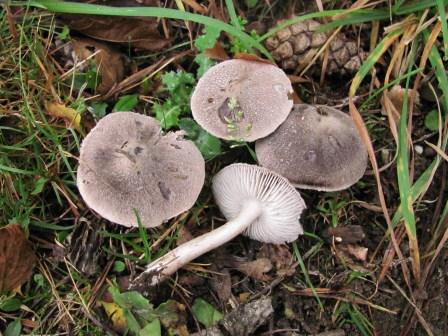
163 267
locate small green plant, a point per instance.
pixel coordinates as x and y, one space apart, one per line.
202 43
348 313
126 103
178 87
138 312
239 46
205 312
331 206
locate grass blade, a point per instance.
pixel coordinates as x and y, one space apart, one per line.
305 273
233 16
404 186
442 13
92 9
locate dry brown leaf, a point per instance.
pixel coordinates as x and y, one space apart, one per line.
116 316
173 317
109 62
217 53
195 6
396 97
140 33
279 255
256 269
253 58
346 234
222 285
71 116
17 258
359 252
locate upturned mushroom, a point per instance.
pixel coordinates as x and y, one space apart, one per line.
242 100
126 166
317 147
257 202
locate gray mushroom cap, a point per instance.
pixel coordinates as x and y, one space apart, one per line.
281 203
317 147
126 163
242 100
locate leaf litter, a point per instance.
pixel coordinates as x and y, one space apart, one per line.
257 269
17 258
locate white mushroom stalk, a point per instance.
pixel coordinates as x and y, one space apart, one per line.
256 201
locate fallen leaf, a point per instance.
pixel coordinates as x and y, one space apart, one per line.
281 258
396 97
116 316
255 269
221 283
217 53
359 252
348 251
109 62
205 312
140 33
253 58
70 115
347 234
173 317
17 258
279 255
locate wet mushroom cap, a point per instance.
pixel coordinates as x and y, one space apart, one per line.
242 100
126 163
281 203
317 147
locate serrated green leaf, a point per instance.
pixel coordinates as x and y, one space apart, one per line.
167 115
205 312
177 80
204 63
208 39
432 120
126 103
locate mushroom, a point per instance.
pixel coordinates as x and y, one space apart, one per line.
317 147
242 100
126 165
255 200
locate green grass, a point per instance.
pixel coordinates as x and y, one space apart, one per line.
38 162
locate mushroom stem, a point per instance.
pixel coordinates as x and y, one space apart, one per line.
163 267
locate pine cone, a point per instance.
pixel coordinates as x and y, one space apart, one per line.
294 46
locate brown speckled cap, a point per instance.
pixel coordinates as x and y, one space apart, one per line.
126 163
242 100
317 147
